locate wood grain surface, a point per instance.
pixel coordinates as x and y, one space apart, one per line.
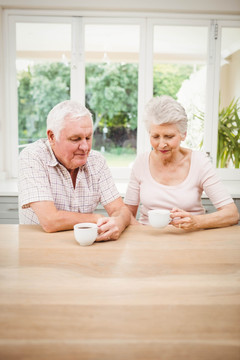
152 294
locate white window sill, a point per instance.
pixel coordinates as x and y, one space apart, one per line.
9 187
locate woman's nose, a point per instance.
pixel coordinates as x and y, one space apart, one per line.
162 144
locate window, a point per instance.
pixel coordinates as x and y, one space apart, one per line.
179 70
115 65
111 89
222 93
43 59
228 149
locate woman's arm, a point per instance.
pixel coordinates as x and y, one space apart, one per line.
133 209
224 216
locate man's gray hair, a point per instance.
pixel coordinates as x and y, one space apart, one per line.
165 110
68 110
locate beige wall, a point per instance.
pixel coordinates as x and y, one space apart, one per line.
230 79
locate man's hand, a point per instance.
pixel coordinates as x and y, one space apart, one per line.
108 229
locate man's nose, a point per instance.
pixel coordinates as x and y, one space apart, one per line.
83 145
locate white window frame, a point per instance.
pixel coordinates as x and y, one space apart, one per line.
119 173
170 22
214 65
11 110
145 85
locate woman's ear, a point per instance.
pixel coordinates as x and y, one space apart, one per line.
184 136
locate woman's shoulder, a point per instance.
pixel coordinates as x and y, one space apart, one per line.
201 163
200 156
141 160
143 156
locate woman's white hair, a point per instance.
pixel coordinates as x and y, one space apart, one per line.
165 110
68 110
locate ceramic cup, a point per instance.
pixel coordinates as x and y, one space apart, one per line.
85 233
159 218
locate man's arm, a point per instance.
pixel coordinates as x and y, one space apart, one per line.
112 227
53 220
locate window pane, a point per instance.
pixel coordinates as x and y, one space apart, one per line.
112 55
228 154
43 74
180 58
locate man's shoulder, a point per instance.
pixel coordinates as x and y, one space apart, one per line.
35 146
95 158
39 149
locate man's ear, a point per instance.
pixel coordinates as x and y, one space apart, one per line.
51 137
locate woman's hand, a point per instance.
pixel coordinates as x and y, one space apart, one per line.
226 215
183 219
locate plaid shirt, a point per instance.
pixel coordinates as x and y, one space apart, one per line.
43 178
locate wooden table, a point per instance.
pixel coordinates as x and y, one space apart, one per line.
153 294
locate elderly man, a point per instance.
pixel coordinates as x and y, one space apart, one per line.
61 180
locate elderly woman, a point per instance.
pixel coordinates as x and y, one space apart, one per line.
173 177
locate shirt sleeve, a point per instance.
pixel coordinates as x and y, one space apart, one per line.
212 185
33 182
107 187
133 190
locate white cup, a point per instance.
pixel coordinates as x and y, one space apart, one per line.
85 233
159 218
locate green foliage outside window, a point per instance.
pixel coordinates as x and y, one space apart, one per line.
229 135
112 89
228 149
40 88
111 95
168 78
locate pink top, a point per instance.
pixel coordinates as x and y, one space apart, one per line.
144 190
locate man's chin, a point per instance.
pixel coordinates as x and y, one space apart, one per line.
78 161
81 163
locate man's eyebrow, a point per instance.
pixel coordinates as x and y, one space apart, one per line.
80 136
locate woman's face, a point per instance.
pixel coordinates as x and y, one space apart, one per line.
165 139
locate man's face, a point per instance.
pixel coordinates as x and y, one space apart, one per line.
74 143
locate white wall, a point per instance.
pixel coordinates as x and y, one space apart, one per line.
186 6
2 165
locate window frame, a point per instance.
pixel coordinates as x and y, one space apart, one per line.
119 173
214 65
11 110
145 85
